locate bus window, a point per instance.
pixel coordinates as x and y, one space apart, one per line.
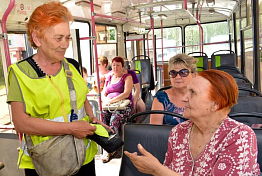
4 113
84 31
17 49
106 41
248 54
212 33
172 42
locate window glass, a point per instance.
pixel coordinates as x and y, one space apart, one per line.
84 31
215 36
106 41
172 43
248 54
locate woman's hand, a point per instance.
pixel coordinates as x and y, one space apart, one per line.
146 163
95 120
80 129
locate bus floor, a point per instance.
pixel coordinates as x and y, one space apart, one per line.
110 168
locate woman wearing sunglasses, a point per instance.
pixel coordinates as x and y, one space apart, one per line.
181 68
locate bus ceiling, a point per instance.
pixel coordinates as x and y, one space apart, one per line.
171 12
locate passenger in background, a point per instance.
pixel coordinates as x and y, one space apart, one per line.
209 143
139 105
102 64
85 76
118 86
182 68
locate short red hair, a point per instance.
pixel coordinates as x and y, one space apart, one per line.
45 16
223 90
119 59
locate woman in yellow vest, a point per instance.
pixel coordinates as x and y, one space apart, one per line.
38 88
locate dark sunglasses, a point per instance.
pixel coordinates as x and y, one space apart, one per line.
183 73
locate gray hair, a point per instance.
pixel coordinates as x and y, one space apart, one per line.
185 60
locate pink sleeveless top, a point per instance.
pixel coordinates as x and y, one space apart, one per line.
113 90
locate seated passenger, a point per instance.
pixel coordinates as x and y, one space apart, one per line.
182 68
139 105
85 76
118 86
209 143
102 64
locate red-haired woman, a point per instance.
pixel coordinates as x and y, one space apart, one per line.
118 86
209 143
39 93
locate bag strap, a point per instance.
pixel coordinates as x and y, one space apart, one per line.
118 105
28 141
71 87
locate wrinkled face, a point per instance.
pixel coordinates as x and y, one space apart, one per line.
117 67
180 76
55 42
196 100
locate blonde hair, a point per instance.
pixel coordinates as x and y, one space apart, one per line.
103 60
185 60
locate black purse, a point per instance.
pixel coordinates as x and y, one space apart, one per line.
110 144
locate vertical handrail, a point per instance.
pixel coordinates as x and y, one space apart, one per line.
3 25
154 52
147 35
6 45
199 25
96 57
162 43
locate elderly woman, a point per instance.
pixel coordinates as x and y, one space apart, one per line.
182 68
118 86
209 143
39 91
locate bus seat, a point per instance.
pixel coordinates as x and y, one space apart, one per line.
164 88
259 147
147 98
229 69
154 140
139 76
202 57
218 60
247 104
243 84
144 66
9 154
245 91
133 118
249 118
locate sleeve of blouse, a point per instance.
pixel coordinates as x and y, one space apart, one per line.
169 153
239 155
134 76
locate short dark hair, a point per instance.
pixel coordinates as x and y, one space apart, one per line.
119 59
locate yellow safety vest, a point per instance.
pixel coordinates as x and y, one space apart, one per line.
48 98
